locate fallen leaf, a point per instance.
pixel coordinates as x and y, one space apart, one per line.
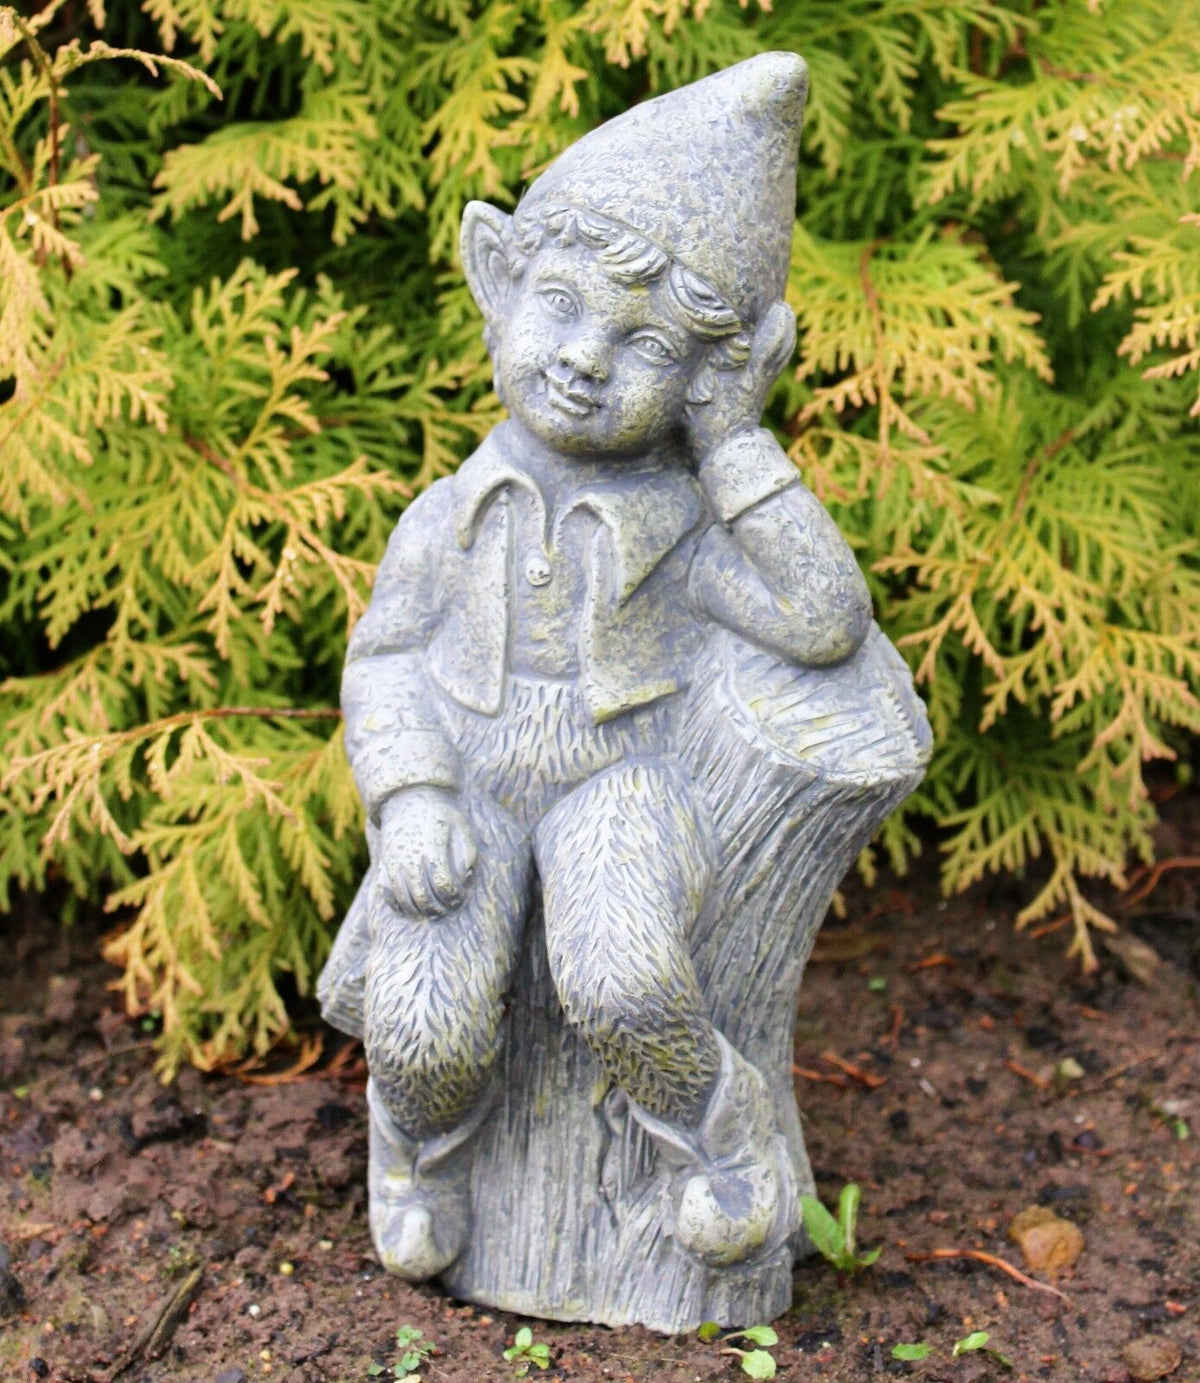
62 1001
1140 960
1048 1243
837 947
311 1049
1151 1357
42 1229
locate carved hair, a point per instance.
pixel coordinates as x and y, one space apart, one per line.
631 259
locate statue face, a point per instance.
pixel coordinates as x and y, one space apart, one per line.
591 366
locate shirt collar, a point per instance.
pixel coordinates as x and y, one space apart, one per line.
644 521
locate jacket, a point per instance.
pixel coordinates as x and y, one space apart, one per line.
742 544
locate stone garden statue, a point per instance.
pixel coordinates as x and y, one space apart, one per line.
621 722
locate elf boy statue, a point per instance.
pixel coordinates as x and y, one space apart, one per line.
517 697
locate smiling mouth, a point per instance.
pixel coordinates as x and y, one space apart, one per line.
574 402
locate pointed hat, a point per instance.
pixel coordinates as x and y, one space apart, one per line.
707 173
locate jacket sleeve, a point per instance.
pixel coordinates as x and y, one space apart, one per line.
394 738
775 569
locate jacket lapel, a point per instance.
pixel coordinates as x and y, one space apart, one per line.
472 646
635 641
632 649
646 517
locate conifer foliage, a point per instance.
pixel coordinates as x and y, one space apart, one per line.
233 344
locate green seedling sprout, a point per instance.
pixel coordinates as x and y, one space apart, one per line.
834 1238
525 1352
414 1349
757 1362
977 1342
1168 1112
911 1353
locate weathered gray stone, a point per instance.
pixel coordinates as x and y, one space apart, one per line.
621 722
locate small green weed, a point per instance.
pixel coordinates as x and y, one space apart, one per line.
971 1344
414 1349
181 1258
834 1238
757 1362
911 1353
1169 1112
524 1352
977 1343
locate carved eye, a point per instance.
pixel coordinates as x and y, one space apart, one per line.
559 301
653 348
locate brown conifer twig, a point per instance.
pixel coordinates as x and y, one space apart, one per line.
1153 877
820 1077
1026 1074
42 62
266 713
892 1037
979 1256
932 962
872 1082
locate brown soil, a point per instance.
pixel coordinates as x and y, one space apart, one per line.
114 1190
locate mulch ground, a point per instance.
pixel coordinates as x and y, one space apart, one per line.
959 1072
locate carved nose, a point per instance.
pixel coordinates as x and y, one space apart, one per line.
584 357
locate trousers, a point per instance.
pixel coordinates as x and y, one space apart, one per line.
602 820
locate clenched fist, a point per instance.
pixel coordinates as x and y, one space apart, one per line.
427 851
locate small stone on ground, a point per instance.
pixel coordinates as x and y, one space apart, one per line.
1048 1243
1151 1357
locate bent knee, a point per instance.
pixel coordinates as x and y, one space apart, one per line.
432 1071
621 1006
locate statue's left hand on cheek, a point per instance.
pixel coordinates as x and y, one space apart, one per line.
740 395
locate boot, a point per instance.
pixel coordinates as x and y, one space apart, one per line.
733 1188
419 1202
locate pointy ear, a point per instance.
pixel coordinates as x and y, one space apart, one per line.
484 259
